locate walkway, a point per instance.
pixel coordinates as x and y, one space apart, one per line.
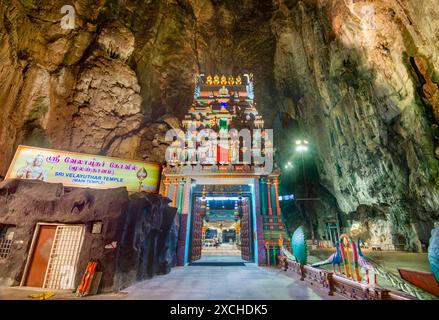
217 282
225 249
247 282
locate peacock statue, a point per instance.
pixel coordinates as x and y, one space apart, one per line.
433 252
364 263
288 254
298 244
395 280
341 256
334 259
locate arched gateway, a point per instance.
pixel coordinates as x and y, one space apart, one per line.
219 174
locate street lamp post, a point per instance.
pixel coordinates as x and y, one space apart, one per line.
301 147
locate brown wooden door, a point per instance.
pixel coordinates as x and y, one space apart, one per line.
40 256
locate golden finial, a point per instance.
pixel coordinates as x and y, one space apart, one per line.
216 80
238 80
231 80
141 175
209 80
223 80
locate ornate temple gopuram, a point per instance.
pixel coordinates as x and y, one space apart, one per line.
215 177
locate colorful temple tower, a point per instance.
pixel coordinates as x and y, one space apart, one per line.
213 157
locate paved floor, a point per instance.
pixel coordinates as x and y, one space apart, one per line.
22 293
248 282
206 283
225 249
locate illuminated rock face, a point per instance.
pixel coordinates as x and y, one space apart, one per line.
367 97
360 80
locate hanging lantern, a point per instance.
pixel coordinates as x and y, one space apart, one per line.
207 211
240 207
202 206
236 212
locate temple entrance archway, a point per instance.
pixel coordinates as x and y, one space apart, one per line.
222 222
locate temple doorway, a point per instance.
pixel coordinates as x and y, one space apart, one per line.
220 240
221 228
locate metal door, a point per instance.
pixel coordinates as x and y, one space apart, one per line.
61 268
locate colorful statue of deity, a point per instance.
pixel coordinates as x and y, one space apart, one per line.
231 81
223 91
209 80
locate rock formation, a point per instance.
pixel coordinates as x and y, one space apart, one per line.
359 79
135 241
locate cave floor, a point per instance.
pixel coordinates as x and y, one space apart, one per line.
200 282
222 283
228 282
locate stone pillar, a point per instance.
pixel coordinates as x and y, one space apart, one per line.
270 209
276 191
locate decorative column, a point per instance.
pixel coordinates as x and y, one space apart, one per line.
174 192
270 209
263 196
182 243
186 197
267 247
258 235
276 191
180 195
166 189
281 243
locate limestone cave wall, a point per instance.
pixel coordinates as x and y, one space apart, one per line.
358 78
367 96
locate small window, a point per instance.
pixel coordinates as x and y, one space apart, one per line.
6 236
